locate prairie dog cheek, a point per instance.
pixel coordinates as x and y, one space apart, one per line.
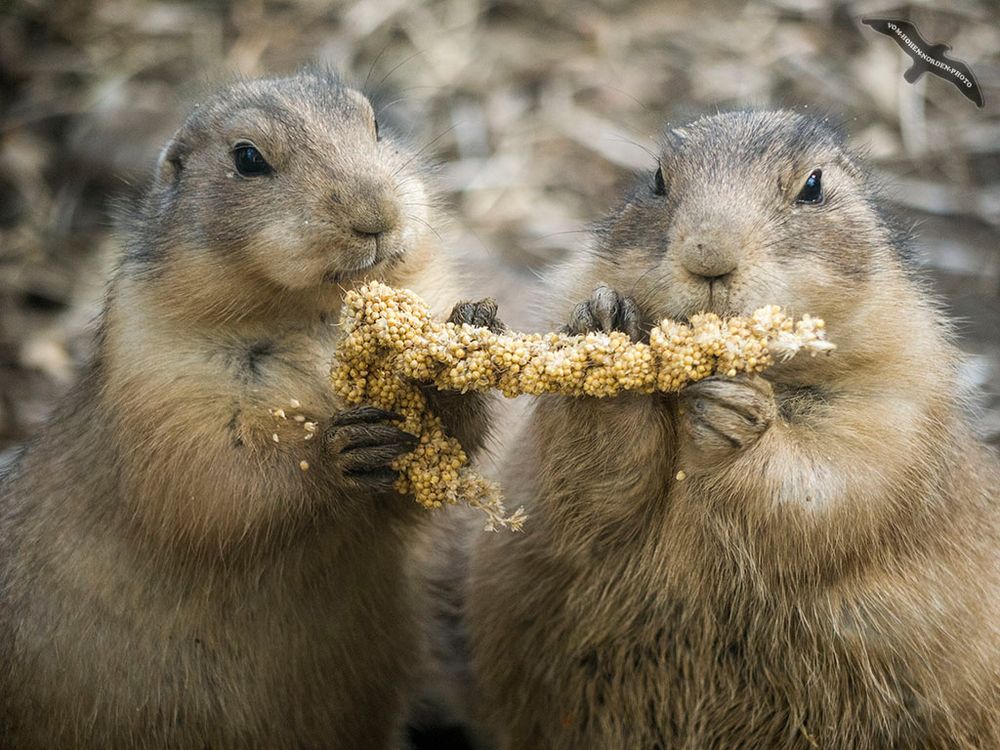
283 253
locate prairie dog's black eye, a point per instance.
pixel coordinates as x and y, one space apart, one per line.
812 191
250 162
659 185
378 135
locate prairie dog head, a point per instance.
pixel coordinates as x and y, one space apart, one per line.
747 209
289 181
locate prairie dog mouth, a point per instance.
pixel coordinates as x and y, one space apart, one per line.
718 298
351 274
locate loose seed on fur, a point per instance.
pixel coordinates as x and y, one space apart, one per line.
392 344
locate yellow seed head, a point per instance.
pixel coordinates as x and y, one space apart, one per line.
392 344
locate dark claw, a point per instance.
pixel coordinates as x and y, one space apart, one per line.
606 307
353 437
482 314
462 312
362 444
606 311
361 437
372 457
630 319
359 414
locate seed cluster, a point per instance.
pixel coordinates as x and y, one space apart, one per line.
392 344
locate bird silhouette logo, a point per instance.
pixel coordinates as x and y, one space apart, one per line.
928 58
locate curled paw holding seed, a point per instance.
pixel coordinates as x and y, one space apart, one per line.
362 443
481 314
465 415
722 416
605 311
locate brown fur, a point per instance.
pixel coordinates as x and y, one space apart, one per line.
828 572
170 576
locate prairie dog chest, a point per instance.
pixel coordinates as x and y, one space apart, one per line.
283 366
198 378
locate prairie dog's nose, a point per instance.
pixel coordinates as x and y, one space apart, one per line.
372 209
709 254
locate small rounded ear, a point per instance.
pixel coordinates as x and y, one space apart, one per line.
169 168
171 161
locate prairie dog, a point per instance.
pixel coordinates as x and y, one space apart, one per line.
182 567
826 570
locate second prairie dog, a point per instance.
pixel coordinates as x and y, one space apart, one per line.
181 565
826 570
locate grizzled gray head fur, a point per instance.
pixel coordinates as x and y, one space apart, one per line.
745 209
288 179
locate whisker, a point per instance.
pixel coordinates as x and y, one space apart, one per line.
383 107
558 234
629 95
397 66
371 68
426 224
424 148
625 139
645 273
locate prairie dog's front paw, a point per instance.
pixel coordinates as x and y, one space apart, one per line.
362 445
722 416
482 314
606 311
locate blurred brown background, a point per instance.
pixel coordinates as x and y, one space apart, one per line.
538 111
